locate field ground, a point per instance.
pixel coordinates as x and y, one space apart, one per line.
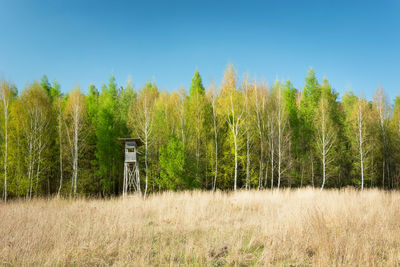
286 228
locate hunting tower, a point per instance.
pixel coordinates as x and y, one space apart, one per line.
131 165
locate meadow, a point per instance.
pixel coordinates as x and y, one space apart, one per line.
298 227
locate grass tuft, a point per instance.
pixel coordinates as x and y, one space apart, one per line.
298 227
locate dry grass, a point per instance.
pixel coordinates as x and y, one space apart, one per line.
286 228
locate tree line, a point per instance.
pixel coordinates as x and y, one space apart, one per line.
242 134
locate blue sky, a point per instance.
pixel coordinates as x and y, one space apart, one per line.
355 44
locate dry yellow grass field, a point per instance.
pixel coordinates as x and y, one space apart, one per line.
286 228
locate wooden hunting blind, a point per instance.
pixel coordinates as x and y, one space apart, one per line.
131 165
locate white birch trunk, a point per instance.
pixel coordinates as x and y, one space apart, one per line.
247 141
235 121
76 140
379 100
272 154
325 141
312 172
234 141
30 157
182 112
5 106
216 143
361 141
248 162
236 163
260 134
146 143
279 137
38 167
61 147
323 149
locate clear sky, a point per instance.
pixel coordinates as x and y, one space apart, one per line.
355 44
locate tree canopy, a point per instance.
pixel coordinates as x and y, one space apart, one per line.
239 135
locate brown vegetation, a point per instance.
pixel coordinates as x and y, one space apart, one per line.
290 227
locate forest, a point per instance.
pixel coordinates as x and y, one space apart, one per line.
241 134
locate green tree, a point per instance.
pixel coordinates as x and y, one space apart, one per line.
91 179
196 109
173 164
107 146
45 84
290 96
309 102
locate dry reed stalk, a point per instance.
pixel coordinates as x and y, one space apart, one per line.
289 227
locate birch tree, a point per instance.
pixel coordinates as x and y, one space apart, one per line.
325 137
234 108
248 120
395 130
356 112
141 121
180 105
35 113
260 98
283 135
272 111
6 95
75 120
382 111
396 115
213 95
59 105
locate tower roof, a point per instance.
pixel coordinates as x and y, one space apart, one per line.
129 139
